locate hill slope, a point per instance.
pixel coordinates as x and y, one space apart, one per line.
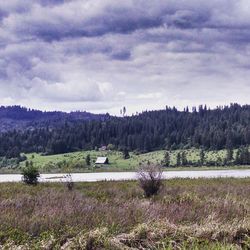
20 118
223 127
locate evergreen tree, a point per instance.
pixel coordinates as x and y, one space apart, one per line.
178 159
246 156
229 155
202 157
147 145
184 158
126 154
166 160
238 157
88 160
242 156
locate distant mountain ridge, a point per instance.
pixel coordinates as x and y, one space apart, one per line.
17 117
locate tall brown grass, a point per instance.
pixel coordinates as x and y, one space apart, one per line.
213 210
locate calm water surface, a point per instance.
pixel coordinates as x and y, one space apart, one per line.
93 177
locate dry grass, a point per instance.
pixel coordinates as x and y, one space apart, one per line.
186 214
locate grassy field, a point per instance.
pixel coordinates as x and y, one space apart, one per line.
75 162
186 214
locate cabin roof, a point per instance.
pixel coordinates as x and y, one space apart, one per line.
101 160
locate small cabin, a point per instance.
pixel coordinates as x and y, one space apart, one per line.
103 148
102 160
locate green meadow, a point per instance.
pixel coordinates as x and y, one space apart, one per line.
76 161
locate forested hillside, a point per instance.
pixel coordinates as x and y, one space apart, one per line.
223 127
20 118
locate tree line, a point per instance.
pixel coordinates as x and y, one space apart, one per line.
170 129
240 156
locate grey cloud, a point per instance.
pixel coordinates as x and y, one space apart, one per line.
186 19
81 19
56 20
142 54
51 2
54 25
121 55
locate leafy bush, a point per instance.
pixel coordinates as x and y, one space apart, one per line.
150 179
30 174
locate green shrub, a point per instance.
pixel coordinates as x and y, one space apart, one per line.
150 179
30 174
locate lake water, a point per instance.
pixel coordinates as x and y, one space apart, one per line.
93 177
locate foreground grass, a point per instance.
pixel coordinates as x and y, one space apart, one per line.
187 214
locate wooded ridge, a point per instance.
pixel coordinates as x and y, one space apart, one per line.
58 132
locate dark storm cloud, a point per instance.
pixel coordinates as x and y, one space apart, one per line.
51 2
122 55
142 53
57 20
2 14
55 25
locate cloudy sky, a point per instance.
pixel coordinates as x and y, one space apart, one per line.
99 55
